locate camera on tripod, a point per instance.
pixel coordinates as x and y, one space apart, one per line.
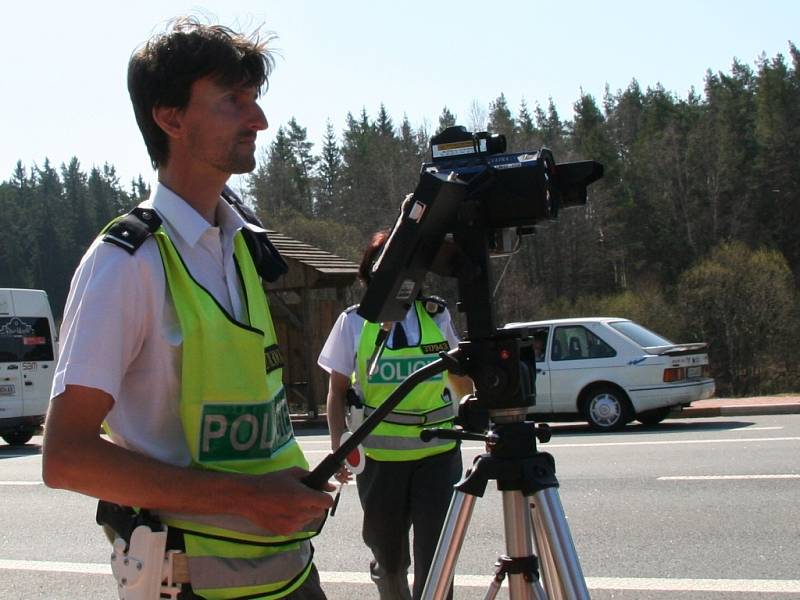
469 190
522 188
470 196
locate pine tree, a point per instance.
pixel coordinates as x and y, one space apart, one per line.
501 121
49 193
383 124
20 249
329 176
777 130
365 197
272 185
526 135
301 163
549 123
446 119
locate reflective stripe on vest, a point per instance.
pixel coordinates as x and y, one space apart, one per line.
396 438
210 572
437 415
236 419
395 443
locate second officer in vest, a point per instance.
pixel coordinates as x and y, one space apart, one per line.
406 482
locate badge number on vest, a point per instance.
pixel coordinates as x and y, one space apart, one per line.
436 348
273 359
396 370
244 431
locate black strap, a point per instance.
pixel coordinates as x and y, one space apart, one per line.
130 231
269 262
399 339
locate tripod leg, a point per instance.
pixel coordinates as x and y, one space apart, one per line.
547 566
519 544
440 575
559 541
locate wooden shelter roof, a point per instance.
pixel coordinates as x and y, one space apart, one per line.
318 268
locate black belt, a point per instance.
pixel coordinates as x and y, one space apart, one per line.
124 519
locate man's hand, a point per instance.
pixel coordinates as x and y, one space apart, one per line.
281 503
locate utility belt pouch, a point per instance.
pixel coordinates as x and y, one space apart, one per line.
140 562
354 414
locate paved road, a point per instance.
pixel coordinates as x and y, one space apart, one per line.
695 508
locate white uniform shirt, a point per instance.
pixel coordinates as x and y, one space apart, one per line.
340 349
120 333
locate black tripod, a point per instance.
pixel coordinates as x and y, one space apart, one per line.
536 531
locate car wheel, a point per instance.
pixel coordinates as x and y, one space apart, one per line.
606 408
653 417
18 438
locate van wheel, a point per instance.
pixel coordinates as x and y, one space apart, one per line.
606 408
653 417
18 438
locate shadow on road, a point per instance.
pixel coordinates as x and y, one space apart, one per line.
29 449
576 428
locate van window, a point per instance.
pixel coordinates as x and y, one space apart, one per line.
576 342
25 339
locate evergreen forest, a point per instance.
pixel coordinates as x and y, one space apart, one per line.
692 231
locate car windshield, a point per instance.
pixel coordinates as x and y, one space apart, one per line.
642 336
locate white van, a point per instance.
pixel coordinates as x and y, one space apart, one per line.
28 354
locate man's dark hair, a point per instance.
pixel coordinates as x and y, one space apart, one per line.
370 255
162 71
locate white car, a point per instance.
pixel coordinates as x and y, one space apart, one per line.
610 371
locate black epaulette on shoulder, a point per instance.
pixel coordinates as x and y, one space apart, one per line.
433 304
350 309
130 232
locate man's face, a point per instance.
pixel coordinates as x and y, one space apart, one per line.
221 126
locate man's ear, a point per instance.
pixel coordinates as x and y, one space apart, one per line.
169 118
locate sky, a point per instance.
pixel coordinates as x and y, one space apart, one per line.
64 63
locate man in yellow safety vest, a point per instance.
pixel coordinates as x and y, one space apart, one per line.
168 342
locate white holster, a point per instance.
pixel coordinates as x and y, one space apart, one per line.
144 568
354 417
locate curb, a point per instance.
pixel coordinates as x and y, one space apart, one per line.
735 411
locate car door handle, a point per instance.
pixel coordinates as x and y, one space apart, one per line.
541 372
13 367
28 383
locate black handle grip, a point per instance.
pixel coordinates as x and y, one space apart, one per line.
317 478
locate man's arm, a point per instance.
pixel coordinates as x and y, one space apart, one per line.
76 457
